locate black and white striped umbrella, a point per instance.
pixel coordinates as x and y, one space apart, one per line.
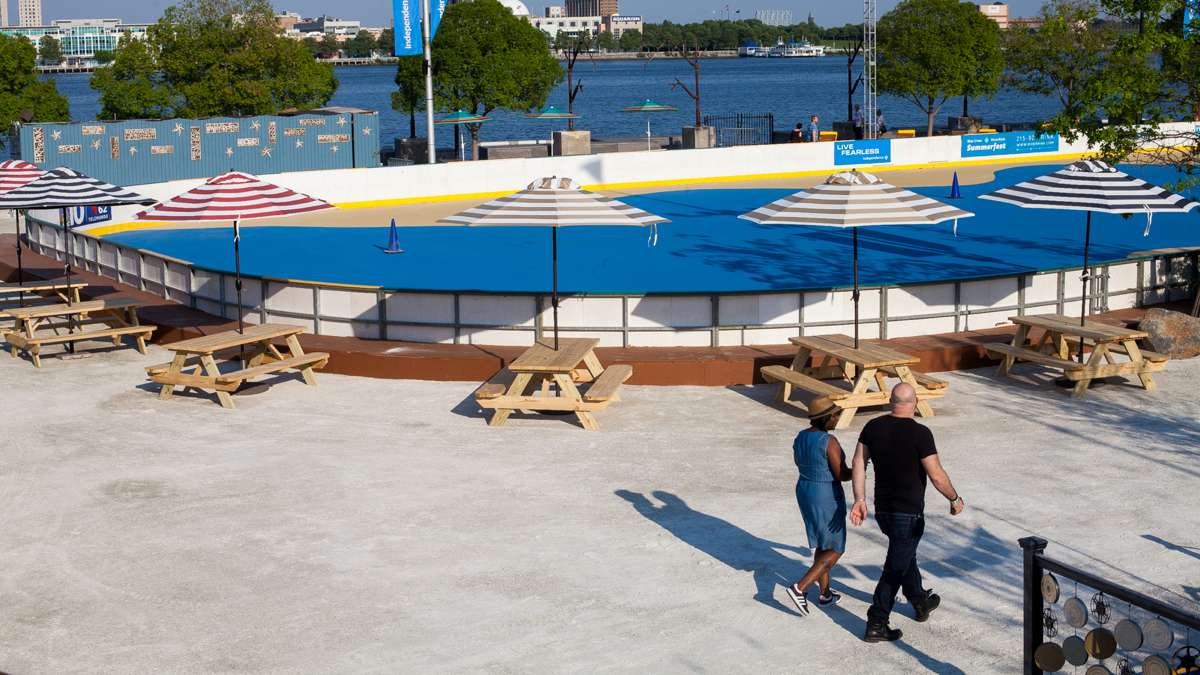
855 199
556 202
1092 186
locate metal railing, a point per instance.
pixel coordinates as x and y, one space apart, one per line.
1039 625
742 129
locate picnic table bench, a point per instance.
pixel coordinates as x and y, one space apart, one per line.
117 315
866 368
263 358
526 384
59 287
1053 350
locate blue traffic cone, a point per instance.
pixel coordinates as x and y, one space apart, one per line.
955 193
393 240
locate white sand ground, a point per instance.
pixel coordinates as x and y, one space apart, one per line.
381 527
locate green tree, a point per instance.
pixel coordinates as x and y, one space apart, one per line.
313 46
605 41
1064 56
987 55
220 57
132 87
360 46
485 58
387 41
631 41
22 94
571 47
330 47
104 56
50 50
931 50
409 97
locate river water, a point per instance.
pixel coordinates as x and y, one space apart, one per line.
791 89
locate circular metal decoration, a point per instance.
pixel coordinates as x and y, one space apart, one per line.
1049 657
1184 660
1155 665
1075 613
1158 634
1049 623
1097 670
1100 643
1049 588
1100 608
1074 651
1128 634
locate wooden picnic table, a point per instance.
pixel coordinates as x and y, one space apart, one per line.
59 287
526 384
117 315
262 358
866 369
1060 333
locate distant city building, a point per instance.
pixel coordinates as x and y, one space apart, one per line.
3 13
590 8
80 38
568 25
1026 23
29 11
774 17
617 25
996 11
322 25
555 11
287 21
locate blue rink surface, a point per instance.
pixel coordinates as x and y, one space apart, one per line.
705 248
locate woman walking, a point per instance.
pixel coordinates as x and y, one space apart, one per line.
823 469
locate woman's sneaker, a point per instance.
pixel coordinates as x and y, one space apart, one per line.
827 600
800 599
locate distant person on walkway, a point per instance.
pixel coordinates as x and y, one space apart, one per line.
905 456
823 469
814 129
858 122
798 133
880 124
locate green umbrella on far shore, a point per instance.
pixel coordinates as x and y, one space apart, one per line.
648 106
457 119
552 113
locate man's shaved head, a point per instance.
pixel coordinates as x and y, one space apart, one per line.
904 399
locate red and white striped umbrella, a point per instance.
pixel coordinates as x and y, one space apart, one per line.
233 196
15 173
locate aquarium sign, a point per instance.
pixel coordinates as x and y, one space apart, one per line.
407 20
1009 143
877 151
87 215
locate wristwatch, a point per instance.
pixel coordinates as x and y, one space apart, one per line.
957 499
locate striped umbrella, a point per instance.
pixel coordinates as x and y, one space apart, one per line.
648 106
235 197
13 174
855 199
555 202
1092 186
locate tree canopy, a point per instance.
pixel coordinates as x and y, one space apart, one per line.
409 97
21 92
931 50
485 58
207 58
50 50
1064 56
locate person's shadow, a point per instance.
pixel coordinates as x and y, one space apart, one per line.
726 543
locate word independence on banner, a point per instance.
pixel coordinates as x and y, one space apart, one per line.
408 24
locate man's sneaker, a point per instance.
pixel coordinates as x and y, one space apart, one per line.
832 599
924 608
800 599
881 632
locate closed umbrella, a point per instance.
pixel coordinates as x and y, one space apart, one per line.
457 119
15 173
1092 186
855 199
554 202
648 106
235 197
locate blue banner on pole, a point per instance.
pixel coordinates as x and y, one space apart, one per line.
407 15
1009 143
1191 12
877 151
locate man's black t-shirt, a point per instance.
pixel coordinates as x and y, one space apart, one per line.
897 445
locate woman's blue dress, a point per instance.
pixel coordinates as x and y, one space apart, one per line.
820 495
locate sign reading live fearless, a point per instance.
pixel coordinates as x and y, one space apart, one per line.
1010 143
407 19
877 151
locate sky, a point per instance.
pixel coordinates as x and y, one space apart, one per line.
379 13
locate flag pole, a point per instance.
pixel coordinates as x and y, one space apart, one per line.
427 39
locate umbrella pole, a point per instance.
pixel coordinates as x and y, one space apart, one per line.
647 133
62 215
237 270
1087 277
554 264
856 294
20 266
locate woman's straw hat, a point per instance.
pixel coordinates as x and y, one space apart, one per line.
822 406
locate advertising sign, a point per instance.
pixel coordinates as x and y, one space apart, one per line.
877 151
407 14
87 215
1009 143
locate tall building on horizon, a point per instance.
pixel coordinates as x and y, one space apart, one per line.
4 13
29 12
775 17
599 8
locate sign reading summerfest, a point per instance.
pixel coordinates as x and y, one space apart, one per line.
407 14
874 151
1009 143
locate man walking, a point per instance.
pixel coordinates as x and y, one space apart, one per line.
905 457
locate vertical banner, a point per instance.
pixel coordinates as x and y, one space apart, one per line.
1191 13
407 19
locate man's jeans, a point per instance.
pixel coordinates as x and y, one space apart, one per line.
904 532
